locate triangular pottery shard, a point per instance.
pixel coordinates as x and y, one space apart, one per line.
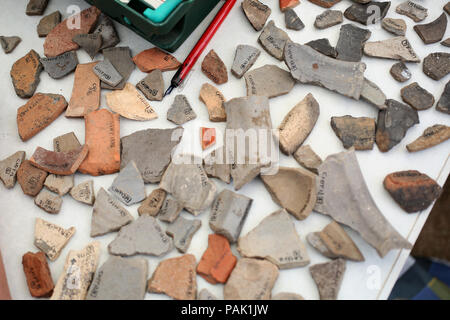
343 195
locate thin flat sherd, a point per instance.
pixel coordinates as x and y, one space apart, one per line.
287 296
344 196
397 48
373 94
217 261
154 58
214 68
400 72
9 43
298 124
276 240
309 66
394 26
151 150
207 137
205 294
307 158
60 66
152 86
102 135
431 137
323 46
182 231
446 42
269 80
437 65
294 189
393 123
38 113
59 40
417 97
59 184
328 18
108 215
38 275
170 210
62 163
84 192
251 279
180 111
142 236
325 3
176 278
36 7
412 10
248 116
351 42
443 104
228 214
120 279
336 242
288 4
47 23
273 40
244 59
107 73
66 142
120 57
153 203
25 74
292 20
129 103
358 133
412 190
434 31
79 265
9 168
328 278
89 42
51 238
367 13
190 186
30 178
129 186
256 12
213 100
216 166
48 201
105 28
85 93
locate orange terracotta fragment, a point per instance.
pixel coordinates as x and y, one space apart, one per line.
217 261
25 74
154 58
41 110
102 135
37 272
59 40
30 178
207 137
85 93
213 100
62 163
288 4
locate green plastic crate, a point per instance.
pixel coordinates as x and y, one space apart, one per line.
168 35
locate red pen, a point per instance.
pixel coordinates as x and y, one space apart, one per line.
192 58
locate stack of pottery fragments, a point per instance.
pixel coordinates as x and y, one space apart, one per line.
334 187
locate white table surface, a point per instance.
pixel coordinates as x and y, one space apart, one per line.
372 279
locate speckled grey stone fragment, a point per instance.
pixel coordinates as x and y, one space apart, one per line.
328 278
309 66
9 43
61 65
47 23
369 13
107 73
292 20
181 111
373 94
397 48
108 215
9 167
443 104
59 184
269 80
412 10
307 158
273 40
91 43
417 97
228 214
120 279
142 236
400 72
128 186
244 59
323 46
48 201
152 86
120 57
182 231
328 18
350 43
437 65
344 196
151 151
105 27
205 294
170 210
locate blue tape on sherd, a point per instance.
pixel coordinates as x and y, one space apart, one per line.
160 14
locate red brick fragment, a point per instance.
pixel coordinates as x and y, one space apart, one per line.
154 58
62 163
208 137
37 272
